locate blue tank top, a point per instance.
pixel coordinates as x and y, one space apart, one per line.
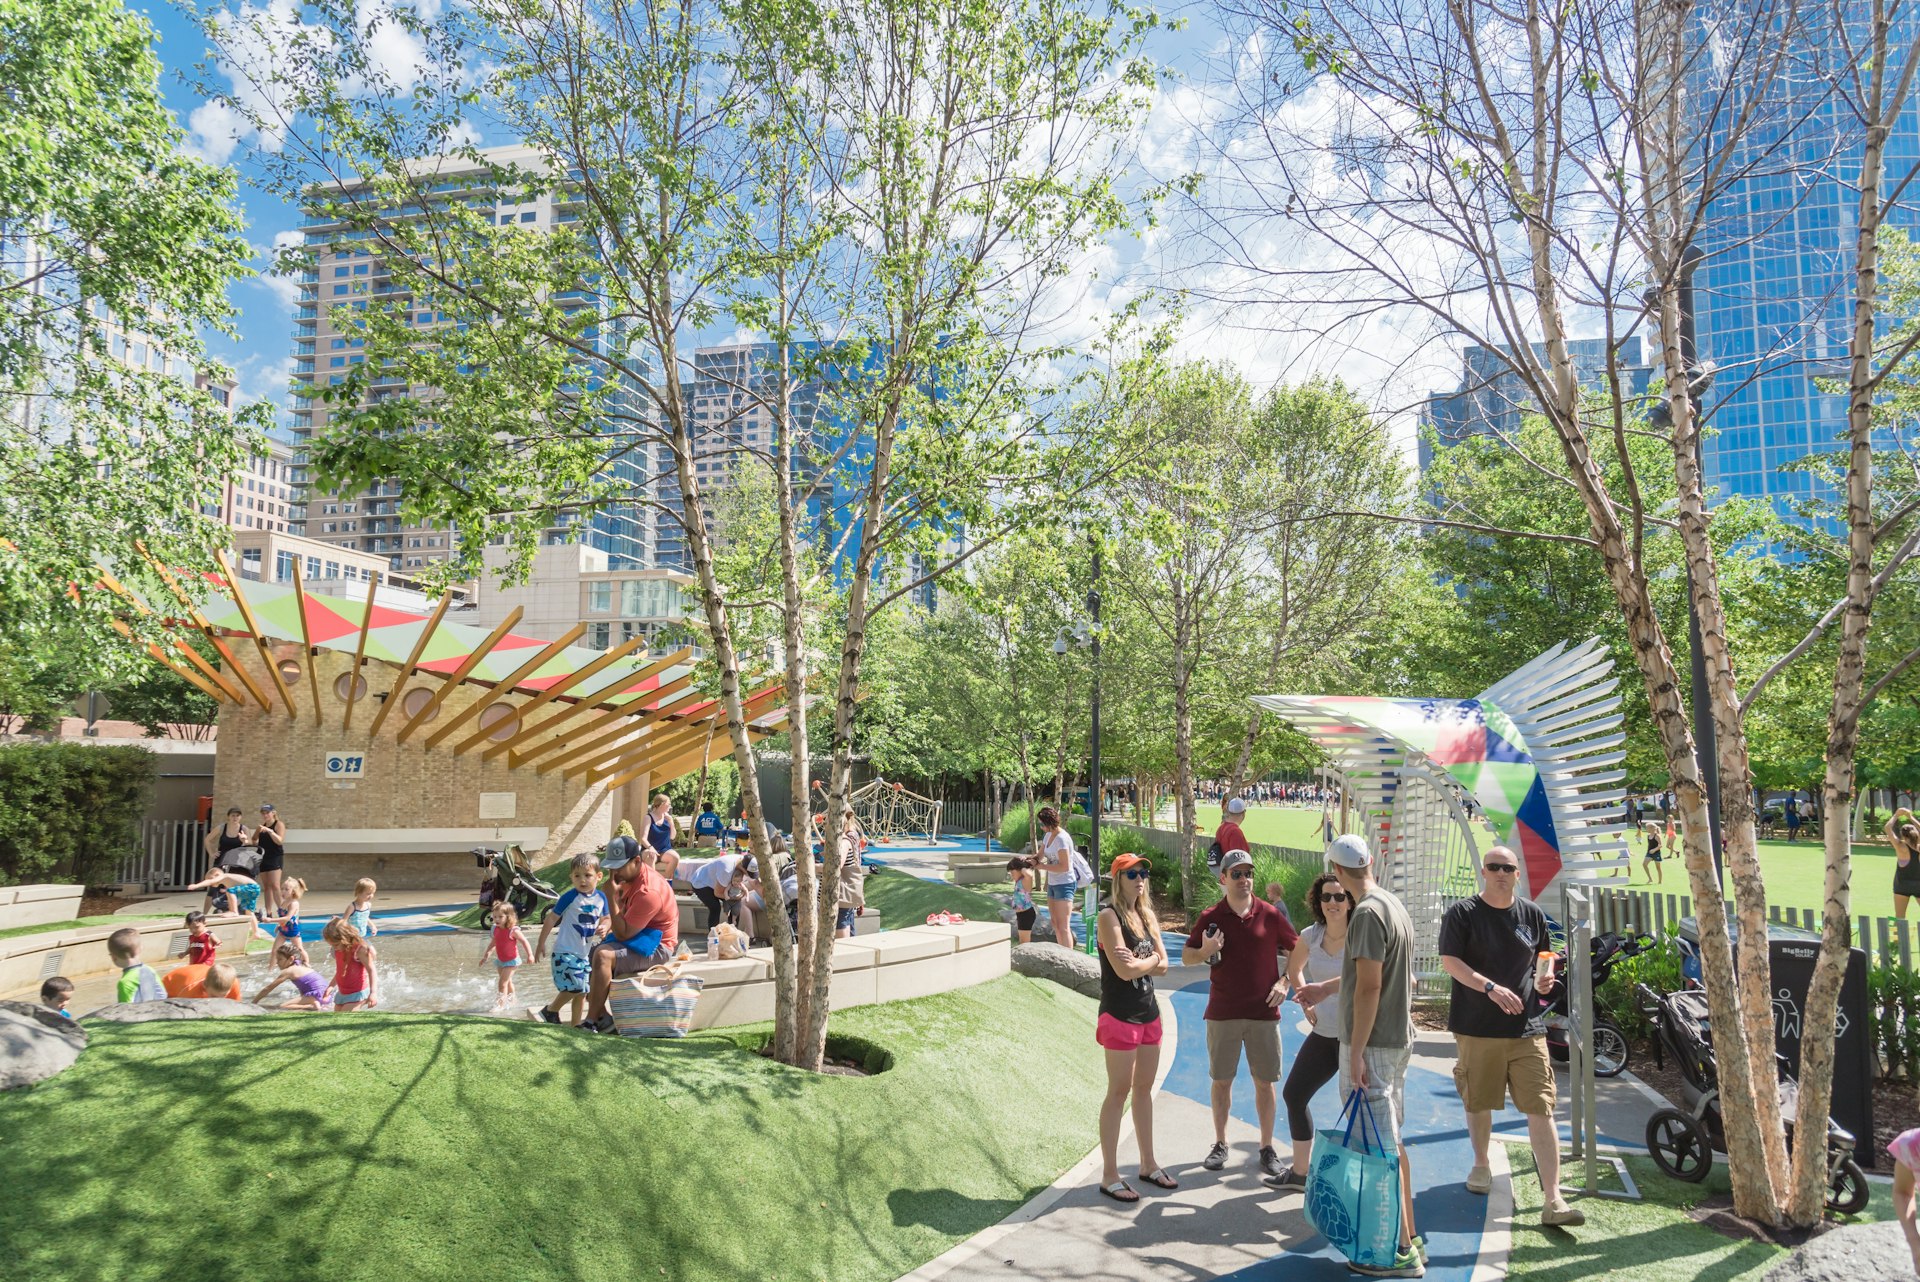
660 835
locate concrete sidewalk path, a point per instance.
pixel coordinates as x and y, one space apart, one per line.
1228 1224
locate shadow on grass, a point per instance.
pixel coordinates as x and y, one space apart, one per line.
408 1147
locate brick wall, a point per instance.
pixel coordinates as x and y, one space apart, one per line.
271 757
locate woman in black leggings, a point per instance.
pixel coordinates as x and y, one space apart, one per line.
1315 959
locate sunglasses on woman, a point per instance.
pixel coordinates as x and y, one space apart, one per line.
1137 874
1336 897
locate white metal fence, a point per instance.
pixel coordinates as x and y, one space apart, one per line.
174 856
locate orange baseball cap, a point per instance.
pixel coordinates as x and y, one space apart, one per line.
1123 862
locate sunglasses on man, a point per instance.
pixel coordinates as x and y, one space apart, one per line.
1239 874
1507 868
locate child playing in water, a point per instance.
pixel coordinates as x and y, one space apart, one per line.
56 993
291 968
581 916
138 983
360 911
353 985
202 944
505 947
289 928
1905 1151
244 889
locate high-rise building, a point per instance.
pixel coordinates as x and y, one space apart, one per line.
348 274
263 495
1773 293
1491 397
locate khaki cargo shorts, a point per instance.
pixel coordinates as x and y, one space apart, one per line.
1261 1037
1488 1068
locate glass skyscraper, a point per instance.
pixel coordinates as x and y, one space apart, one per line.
1773 294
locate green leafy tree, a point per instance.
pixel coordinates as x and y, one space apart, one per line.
116 251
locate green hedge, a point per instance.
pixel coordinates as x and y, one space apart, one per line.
71 812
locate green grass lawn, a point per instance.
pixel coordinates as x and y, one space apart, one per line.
427 1147
1651 1240
122 919
1794 871
903 899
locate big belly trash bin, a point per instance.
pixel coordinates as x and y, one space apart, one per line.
1791 955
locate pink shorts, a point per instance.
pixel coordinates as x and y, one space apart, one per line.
1117 1036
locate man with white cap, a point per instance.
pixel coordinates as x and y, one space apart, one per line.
1376 1020
1229 835
1247 937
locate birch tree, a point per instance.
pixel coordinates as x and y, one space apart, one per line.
1518 177
910 180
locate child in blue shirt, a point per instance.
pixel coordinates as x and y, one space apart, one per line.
580 915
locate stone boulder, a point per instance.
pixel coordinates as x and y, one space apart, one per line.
1069 969
36 1043
175 1008
1851 1253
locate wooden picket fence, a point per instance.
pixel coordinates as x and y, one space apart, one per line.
1887 939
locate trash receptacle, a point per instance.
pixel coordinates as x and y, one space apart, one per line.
1791 956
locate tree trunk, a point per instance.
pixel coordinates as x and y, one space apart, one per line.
1808 1191
786 939
1183 768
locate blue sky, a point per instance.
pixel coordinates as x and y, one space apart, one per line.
1191 115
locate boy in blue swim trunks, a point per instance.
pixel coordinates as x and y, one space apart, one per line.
244 890
581 917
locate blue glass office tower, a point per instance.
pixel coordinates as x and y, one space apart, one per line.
1774 291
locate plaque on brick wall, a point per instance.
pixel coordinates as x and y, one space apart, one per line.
345 765
496 805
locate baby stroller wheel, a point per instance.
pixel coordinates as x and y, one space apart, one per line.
1609 1049
1847 1189
1679 1146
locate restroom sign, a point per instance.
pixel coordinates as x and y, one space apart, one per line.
345 765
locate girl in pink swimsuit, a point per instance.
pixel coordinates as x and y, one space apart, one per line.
505 946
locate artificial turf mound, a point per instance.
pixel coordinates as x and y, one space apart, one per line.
416 1147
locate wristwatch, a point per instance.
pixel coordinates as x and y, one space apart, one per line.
1488 988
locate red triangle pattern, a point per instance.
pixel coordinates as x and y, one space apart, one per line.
324 625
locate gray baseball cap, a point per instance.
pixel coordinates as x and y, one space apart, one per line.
1350 852
1233 859
620 851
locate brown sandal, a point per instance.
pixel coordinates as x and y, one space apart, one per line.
1119 1192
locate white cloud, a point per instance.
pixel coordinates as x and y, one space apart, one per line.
285 289
213 131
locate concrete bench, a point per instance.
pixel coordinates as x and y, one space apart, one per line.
693 920
400 858
891 966
983 875
26 960
36 905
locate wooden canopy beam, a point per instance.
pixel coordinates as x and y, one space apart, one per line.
668 771
563 685
576 747
306 640
516 757
507 683
227 688
631 721
207 629
185 674
413 662
253 629
359 655
459 674
669 742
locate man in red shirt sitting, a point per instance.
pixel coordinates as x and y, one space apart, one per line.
643 927
1245 940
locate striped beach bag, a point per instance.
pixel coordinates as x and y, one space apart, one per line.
657 1004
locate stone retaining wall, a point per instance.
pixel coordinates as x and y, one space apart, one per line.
37 905
26 960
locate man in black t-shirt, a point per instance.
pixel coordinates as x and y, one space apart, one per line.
1490 945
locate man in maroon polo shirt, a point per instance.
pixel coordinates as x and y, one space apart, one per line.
1245 940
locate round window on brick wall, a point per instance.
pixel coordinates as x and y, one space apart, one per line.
289 671
348 686
501 718
416 699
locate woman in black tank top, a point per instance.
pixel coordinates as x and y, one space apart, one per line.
1131 954
271 837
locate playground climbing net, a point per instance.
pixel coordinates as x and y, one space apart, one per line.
888 811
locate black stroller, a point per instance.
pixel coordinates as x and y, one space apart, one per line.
1683 1142
1609 1039
512 881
